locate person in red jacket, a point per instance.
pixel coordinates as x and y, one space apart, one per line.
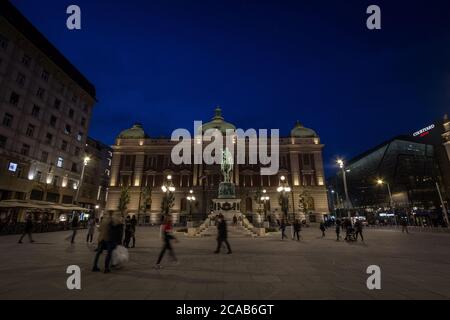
166 233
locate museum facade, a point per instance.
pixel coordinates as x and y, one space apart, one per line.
141 165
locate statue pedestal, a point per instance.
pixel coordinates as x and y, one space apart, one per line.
227 207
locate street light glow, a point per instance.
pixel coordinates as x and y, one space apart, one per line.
164 188
279 189
169 177
380 181
283 178
340 162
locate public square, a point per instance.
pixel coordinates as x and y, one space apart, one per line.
413 266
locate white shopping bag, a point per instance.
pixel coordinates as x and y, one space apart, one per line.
119 256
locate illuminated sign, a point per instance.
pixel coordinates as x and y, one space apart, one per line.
12 167
423 132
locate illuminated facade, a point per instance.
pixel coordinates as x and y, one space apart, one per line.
141 163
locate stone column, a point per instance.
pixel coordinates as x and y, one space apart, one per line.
115 164
138 168
294 168
320 177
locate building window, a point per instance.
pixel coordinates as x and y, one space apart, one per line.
67 129
74 98
3 43
64 145
26 60
83 122
71 113
60 162
20 79
12 166
53 121
48 138
61 87
57 104
38 176
85 107
3 140
25 150
14 99
35 112
45 75
44 156
80 136
74 167
77 151
30 130
7 120
40 93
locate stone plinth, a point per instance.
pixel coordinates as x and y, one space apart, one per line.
227 207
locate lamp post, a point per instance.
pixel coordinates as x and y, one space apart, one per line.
85 162
264 199
391 202
444 209
168 189
190 199
284 189
340 162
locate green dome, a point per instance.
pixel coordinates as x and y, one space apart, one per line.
218 123
135 132
300 131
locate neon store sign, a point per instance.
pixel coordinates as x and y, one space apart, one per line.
423 132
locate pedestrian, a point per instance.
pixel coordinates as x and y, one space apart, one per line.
283 229
128 232
133 230
222 235
322 228
105 239
358 230
91 229
338 229
234 220
167 236
404 223
297 229
74 227
28 229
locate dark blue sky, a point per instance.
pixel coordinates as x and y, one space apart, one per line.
267 63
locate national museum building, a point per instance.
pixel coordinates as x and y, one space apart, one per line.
141 165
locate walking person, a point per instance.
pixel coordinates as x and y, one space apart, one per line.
322 228
222 235
133 230
91 229
128 232
297 229
28 229
404 224
283 229
74 227
167 236
358 230
338 229
108 238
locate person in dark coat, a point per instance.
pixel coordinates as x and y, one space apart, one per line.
404 224
28 229
297 229
283 229
222 234
74 226
338 229
133 230
107 240
358 230
128 232
322 228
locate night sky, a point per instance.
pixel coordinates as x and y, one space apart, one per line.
166 63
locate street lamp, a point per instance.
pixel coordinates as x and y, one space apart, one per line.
264 199
444 210
340 162
391 202
168 188
283 189
190 198
85 162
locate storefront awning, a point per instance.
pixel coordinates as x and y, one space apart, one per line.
40 205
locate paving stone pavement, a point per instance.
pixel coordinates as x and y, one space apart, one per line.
413 266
